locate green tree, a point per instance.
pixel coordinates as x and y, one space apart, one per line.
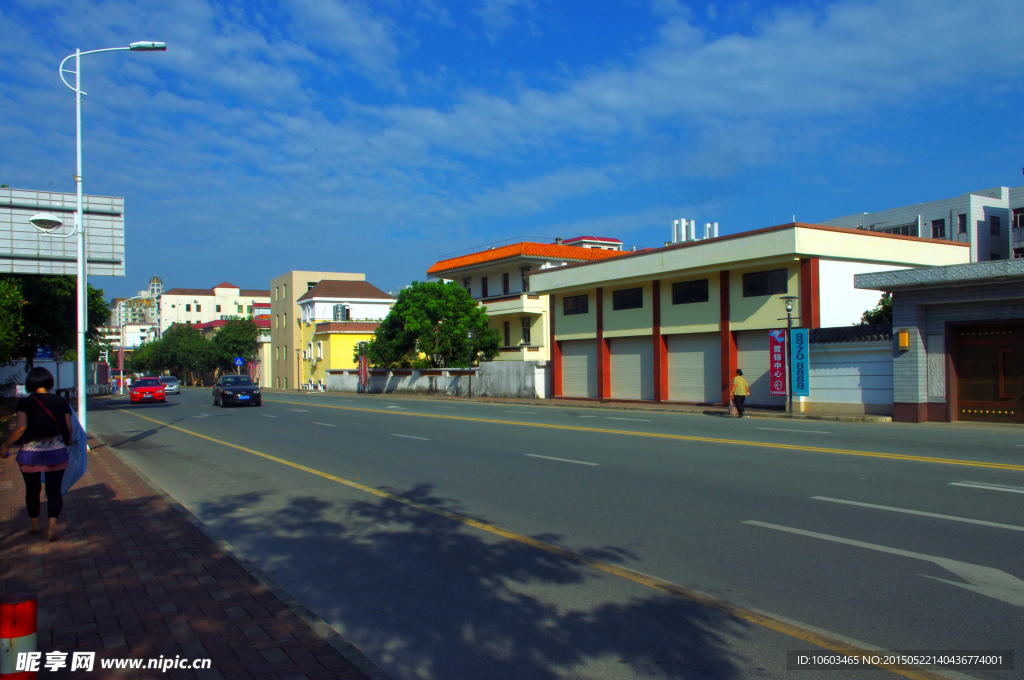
12 320
236 338
433 319
881 313
51 316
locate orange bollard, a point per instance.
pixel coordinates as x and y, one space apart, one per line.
18 620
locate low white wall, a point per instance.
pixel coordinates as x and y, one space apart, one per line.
16 370
853 378
492 379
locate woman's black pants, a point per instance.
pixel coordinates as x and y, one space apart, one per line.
33 485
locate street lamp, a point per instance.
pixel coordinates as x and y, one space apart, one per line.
789 299
47 222
469 334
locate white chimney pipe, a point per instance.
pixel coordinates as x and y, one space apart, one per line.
714 230
691 227
675 231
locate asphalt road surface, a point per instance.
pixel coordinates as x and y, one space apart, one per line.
457 540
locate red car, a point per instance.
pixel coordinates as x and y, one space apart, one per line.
148 389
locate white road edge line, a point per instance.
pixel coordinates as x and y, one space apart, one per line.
997 525
990 487
986 581
324 424
299 410
561 460
639 420
530 412
788 429
409 436
265 415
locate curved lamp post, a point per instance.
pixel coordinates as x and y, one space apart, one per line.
789 300
47 223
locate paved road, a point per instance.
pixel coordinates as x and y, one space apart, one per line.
891 550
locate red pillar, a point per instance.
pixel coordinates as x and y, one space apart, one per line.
660 349
810 305
556 351
604 378
728 339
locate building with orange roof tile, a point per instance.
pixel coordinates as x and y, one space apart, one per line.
498 277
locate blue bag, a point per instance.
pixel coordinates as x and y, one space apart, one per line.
77 450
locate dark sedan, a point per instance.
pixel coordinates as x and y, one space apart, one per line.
236 389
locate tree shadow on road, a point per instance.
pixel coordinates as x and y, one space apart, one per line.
429 597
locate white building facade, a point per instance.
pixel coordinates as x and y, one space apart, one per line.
991 221
199 305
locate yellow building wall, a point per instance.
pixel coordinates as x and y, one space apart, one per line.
697 317
628 322
763 311
576 326
342 348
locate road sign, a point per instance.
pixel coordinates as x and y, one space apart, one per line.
800 361
239 361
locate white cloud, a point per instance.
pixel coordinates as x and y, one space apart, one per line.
349 28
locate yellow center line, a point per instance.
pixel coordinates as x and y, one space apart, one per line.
677 437
763 619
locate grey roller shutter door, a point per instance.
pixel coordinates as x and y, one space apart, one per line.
695 367
579 368
752 357
632 368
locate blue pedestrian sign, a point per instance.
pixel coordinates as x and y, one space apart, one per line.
800 362
239 361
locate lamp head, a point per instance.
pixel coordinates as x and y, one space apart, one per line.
46 221
148 46
788 299
469 334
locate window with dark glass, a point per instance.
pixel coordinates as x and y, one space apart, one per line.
483 286
995 225
504 284
961 223
1018 218
575 304
688 292
938 228
508 334
468 285
628 298
770 282
218 308
525 271
188 308
526 329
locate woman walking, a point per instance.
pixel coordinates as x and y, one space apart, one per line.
740 390
43 429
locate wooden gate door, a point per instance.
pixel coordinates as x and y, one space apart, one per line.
988 363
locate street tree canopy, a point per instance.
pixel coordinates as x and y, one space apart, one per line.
234 339
47 316
881 313
428 328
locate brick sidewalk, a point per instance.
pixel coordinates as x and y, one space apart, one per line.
132 576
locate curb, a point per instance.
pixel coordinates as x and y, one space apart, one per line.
332 637
622 406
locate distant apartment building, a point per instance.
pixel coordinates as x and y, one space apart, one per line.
498 278
336 316
140 308
286 321
195 306
990 221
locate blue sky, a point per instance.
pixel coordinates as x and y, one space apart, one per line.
374 136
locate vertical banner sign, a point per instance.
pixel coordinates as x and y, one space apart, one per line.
364 373
777 363
800 361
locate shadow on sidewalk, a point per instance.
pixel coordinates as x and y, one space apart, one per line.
426 596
